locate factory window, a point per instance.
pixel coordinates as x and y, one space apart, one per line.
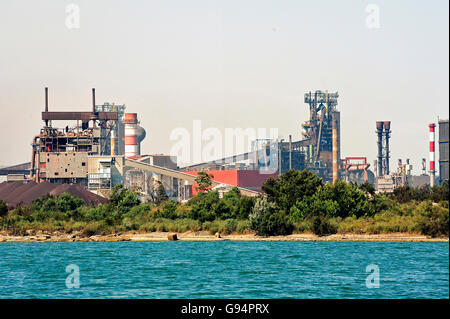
56 173
83 164
66 170
48 160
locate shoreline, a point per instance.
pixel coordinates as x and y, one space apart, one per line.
47 236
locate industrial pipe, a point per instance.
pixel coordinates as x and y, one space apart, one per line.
33 156
335 149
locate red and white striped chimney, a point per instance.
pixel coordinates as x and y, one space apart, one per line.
432 154
131 139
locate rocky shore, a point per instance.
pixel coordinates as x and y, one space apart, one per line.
55 236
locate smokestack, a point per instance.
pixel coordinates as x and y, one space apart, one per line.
46 104
93 100
93 105
335 148
113 141
432 154
387 132
131 139
380 147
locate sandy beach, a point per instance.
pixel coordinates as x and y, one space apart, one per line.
47 236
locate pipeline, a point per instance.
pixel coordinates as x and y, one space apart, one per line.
33 156
335 150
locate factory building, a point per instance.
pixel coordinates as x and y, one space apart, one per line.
443 150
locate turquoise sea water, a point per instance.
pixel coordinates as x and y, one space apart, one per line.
222 269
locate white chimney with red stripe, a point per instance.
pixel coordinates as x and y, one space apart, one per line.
432 155
131 139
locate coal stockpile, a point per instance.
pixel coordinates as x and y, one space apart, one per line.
18 193
76 190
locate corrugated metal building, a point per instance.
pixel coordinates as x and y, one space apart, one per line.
443 150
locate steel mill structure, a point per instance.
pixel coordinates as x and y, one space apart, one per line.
319 151
101 148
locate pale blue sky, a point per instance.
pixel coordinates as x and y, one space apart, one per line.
229 63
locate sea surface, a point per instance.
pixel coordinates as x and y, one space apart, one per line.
224 269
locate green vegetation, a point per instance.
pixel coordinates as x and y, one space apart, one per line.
3 208
296 202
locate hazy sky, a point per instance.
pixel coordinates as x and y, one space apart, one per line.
230 64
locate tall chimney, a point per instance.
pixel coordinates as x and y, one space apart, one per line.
113 140
93 100
46 104
131 139
93 105
380 147
432 155
387 132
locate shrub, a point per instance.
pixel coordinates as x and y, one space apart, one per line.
94 228
432 220
66 202
243 226
262 207
276 224
3 208
168 209
245 207
321 226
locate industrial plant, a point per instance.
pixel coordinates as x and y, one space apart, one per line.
101 148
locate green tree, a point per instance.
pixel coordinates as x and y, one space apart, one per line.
203 205
204 181
123 200
161 195
290 187
66 202
267 220
351 201
3 208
